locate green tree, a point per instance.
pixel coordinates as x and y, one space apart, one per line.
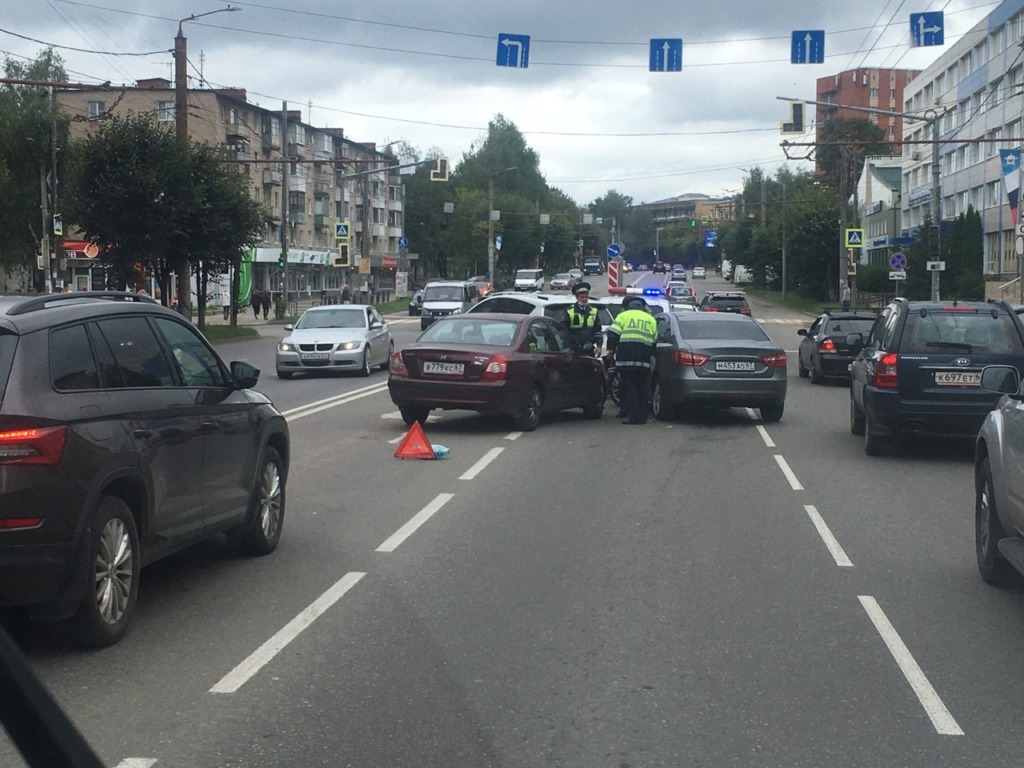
846 142
27 118
157 203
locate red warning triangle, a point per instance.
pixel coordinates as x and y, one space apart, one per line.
414 445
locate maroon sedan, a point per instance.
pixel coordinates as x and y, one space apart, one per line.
520 365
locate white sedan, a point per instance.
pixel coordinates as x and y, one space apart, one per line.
698 272
336 337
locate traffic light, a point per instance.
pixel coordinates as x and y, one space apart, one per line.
342 259
280 261
693 222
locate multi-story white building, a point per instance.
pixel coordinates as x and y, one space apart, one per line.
974 91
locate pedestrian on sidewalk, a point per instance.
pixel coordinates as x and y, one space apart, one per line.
256 303
265 303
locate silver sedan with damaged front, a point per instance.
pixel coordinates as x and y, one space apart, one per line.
337 337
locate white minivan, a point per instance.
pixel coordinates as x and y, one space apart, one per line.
529 280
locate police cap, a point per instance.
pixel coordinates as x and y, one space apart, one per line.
581 286
634 302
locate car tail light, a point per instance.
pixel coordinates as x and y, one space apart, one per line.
744 310
776 360
710 309
885 372
397 365
19 523
827 345
685 357
43 445
496 369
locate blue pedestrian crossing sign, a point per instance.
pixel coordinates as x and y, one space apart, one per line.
341 230
666 54
855 238
403 242
808 46
513 50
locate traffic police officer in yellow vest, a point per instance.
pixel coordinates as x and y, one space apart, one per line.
632 337
581 320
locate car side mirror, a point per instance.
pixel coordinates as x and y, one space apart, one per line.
1003 379
289 327
801 332
375 325
244 375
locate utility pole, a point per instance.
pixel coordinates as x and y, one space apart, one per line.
284 202
490 232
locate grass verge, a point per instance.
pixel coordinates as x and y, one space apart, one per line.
219 332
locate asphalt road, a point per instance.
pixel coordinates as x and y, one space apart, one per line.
706 592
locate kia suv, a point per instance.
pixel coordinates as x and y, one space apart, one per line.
123 438
918 370
725 301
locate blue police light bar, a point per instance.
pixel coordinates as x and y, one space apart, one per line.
653 292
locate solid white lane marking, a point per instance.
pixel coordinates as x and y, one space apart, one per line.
513 435
765 436
322 405
477 468
793 482
407 530
826 535
259 658
398 439
136 762
926 694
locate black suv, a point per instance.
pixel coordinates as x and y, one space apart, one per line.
919 369
725 301
823 351
123 438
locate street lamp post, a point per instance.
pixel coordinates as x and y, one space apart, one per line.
181 126
491 218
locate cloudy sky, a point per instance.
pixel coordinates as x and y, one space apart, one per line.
425 72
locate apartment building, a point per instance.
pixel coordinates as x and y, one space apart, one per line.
972 93
307 178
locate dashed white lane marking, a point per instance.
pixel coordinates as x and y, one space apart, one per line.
513 435
826 535
941 718
407 530
259 658
793 482
765 436
136 762
477 468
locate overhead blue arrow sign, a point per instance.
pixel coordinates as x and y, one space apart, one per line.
513 50
666 54
808 46
926 29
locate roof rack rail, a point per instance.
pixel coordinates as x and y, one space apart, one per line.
37 303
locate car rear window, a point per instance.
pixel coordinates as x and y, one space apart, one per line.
727 301
8 343
711 329
969 331
465 330
506 304
847 326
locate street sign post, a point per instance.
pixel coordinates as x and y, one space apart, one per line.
614 250
666 54
808 46
926 29
513 51
897 275
341 230
898 262
935 266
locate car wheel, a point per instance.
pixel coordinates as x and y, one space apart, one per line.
367 367
772 411
113 576
595 409
528 418
261 531
662 411
387 360
815 374
874 444
412 414
987 529
801 371
856 419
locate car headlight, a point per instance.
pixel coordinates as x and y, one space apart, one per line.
349 345
285 346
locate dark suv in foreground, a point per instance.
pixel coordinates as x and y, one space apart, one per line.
123 438
918 371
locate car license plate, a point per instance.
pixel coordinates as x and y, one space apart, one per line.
734 365
445 369
315 355
958 378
